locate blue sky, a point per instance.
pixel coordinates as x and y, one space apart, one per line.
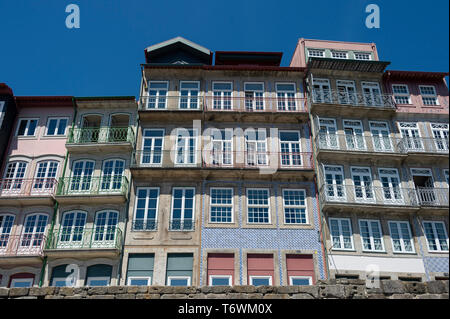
40 56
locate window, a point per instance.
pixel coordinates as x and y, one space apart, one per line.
316 53
72 228
258 211
45 176
391 185
362 180
33 233
321 91
429 96
372 94
380 136
2 115
183 204
447 177
21 282
339 54
61 276
256 147
14 176
221 205
6 223
27 127
105 227
98 275
286 96
294 205
363 56
56 126
178 281
189 91
152 147
346 92
112 175
411 136
82 176
254 96
300 280
140 269
327 134
179 269
97 281
334 180
222 147
371 236
157 95
146 210
261 280
186 146
401 237
260 269
436 235
401 94
341 233
216 280
222 92
290 148
440 134
354 135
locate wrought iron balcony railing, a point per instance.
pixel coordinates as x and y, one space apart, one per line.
368 195
223 159
256 104
171 103
23 187
360 143
88 185
140 224
436 197
385 101
78 237
101 135
181 225
22 245
426 145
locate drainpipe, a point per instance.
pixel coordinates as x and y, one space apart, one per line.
55 207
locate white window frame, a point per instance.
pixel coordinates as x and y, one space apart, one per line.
229 277
29 280
186 154
157 96
415 141
221 205
256 154
58 120
436 238
335 54
402 243
407 94
148 278
426 95
254 97
152 149
391 189
363 53
295 206
341 236
350 125
285 100
147 198
61 279
320 95
169 280
34 235
183 199
346 97
70 229
322 51
222 98
268 206
446 176
440 141
189 97
291 279
335 185
371 85
362 186
369 221
222 152
14 183
383 148
290 154
330 138
27 127
260 277
90 279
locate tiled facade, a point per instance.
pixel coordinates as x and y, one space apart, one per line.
230 169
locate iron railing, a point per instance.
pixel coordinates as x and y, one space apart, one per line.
88 185
361 143
256 104
223 159
140 224
436 197
171 103
426 145
181 224
99 135
356 99
23 187
78 237
22 245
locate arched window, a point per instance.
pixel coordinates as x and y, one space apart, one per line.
112 174
45 176
72 229
64 276
105 226
82 176
98 275
21 280
33 233
6 223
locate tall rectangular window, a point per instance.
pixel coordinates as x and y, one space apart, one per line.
256 147
341 233
157 94
354 136
2 115
189 92
371 235
146 211
294 205
221 205
334 182
56 126
152 146
321 91
220 269
391 185
179 269
258 207
327 134
346 92
380 136
436 235
372 93
411 136
429 96
440 134
362 180
286 96
222 147
222 92
290 148
254 96
140 269
27 127
401 237
401 94
186 146
183 205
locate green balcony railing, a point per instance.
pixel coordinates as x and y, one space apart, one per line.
79 237
101 135
88 185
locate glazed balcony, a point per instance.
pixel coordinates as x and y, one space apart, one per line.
101 139
433 197
24 191
80 241
368 198
88 189
24 246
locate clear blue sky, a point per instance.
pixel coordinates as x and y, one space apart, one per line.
40 56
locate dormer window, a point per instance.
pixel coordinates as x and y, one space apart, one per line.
429 96
316 53
339 54
366 56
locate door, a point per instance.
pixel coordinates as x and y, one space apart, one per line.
354 135
391 185
222 92
327 134
372 94
286 96
424 185
45 176
82 176
254 96
14 177
222 147
411 136
189 91
334 183
380 136
6 223
105 228
256 147
157 95
186 144
346 92
33 233
152 147
72 230
440 134
290 148
362 181
112 175
321 91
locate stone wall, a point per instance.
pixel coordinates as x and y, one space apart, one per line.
330 289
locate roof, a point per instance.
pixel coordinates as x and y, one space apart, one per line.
226 67
414 75
5 89
43 101
248 58
347 65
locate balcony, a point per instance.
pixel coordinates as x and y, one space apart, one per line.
23 191
170 108
79 241
368 198
148 224
100 139
23 246
426 145
433 197
87 189
181 225
344 144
